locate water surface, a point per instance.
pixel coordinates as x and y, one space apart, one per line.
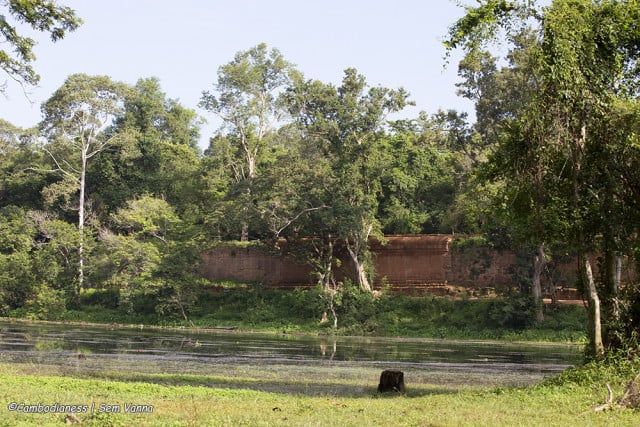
292 363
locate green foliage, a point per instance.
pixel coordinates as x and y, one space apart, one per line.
17 232
462 243
75 119
83 104
357 311
154 152
615 368
107 297
41 15
551 113
515 312
123 260
417 183
19 185
46 304
623 331
146 217
344 124
247 97
330 174
16 280
481 23
55 261
253 307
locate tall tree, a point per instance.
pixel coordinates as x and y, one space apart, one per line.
587 64
247 99
418 184
509 106
346 124
75 118
293 186
157 152
41 15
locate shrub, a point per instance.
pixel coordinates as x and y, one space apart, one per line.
515 312
48 304
107 297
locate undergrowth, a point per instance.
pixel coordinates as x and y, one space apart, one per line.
252 307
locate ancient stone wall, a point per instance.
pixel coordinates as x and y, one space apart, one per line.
481 267
250 265
408 263
400 261
406 260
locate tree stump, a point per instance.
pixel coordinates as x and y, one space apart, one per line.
391 380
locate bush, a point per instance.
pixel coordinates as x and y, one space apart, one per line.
517 312
303 304
48 304
107 298
354 306
616 368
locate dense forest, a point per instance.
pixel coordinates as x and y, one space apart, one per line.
112 190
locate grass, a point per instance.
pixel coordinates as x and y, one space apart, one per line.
188 401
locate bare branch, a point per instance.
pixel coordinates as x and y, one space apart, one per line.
60 168
295 218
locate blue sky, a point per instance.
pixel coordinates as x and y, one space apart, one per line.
393 43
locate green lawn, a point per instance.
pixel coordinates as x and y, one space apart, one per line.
176 401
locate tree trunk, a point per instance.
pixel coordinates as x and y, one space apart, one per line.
613 273
360 268
332 307
323 266
244 231
251 173
540 261
326 273
83 171
596 347
618 275
611 302
244 224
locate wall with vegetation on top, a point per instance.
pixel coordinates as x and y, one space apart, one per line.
402 261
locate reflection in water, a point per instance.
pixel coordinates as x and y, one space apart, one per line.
79 349
323 349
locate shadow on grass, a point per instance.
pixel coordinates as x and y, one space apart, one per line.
304 387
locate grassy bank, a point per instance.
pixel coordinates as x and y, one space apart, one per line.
179 400
255 308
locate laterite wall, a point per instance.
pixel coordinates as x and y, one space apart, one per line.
403 261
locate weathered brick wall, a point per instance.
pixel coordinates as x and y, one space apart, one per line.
406 260
402 261
253 265
479 267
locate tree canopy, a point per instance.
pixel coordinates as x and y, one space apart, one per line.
580 64
42 15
